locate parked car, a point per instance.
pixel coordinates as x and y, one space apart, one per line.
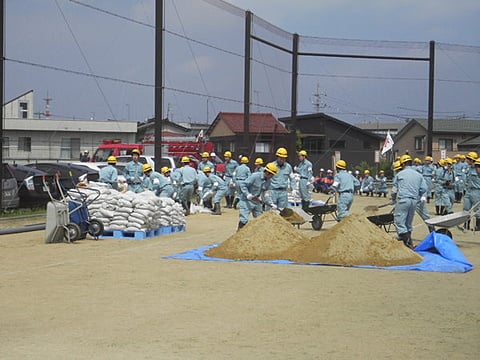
96 166
33 185
10 198
145 159
70 174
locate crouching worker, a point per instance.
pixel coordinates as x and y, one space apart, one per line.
252 191
151 180
218 187
109 173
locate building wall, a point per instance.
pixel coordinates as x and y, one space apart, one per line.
339 140
34 140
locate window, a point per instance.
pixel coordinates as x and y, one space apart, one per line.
25 144
261 147
419 142
23 110
337 144
70 148
313 146
445 144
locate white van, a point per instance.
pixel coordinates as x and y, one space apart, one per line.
145 159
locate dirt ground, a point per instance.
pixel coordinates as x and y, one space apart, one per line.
120 299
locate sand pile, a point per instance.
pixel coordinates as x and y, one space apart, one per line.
263 238
353 241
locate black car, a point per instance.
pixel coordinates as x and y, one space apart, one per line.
70 174
33 185
10 199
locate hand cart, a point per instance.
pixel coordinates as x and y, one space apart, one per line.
455 219
68 218
319 213
384 221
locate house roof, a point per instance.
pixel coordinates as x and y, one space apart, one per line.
463 126
18 97
335 120
260 123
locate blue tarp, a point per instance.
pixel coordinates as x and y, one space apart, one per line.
439 251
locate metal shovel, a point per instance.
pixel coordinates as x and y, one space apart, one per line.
376 207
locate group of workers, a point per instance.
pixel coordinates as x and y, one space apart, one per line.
266 186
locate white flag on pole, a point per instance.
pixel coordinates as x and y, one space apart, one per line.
388 144
200 136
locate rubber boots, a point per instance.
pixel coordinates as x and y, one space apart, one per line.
216 209
235 203
305 205
240 225
229 201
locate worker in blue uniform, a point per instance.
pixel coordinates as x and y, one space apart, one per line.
219 188
282 181
343 184
241 173
109 173
253 190
133 172
305 184
409 187
230 166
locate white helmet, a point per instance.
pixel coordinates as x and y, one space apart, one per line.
322 169
212 154
85 152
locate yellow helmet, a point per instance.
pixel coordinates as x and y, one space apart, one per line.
146 168
405 158
302 152
244 160
136 151
165 169
207 169
417 161
366 172
282 152
227 154
472 155
382 172
477 162
185 159
457 156
448 161
258 161
397 165
441 162
271 168
205 154
112 160
463 157
341 164
428 158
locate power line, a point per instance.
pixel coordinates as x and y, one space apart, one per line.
85 58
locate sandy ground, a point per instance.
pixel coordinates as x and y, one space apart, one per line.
120 299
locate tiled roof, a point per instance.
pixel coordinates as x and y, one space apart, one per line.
260 123
453 125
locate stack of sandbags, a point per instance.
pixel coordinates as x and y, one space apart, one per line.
131 212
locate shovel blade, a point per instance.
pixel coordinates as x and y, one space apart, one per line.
286 212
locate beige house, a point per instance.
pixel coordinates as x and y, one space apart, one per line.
450 136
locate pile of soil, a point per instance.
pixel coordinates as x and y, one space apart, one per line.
264 238
353 241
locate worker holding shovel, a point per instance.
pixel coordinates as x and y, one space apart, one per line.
409 187
343 183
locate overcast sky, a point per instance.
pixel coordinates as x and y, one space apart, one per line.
52 46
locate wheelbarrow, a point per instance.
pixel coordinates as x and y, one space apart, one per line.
319 213
384 221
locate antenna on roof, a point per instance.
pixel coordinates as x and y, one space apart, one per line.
47 106
316 101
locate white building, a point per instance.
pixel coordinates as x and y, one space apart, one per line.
27 139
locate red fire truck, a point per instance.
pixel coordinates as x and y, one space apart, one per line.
176 148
